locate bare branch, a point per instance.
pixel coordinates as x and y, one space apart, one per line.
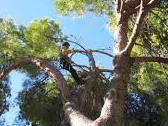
83 67
150 59
89 55
149 4
133 6
106 70
49 69
76 118
102 52
92 61
118 5
142 13
136 28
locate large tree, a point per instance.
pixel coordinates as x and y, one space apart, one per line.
133 27
133 18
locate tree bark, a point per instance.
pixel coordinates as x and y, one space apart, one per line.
112 113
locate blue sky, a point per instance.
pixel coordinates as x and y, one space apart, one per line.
90 30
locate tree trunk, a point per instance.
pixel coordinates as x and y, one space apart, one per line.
112 113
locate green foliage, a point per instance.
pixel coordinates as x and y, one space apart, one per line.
150 82
39 39
36 40
79 7
157 22
154 32
9 39
134 123
4 94
41 105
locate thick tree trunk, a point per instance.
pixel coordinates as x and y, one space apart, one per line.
112 113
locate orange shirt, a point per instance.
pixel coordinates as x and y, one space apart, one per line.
65 52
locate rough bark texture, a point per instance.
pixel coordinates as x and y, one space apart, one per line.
112 111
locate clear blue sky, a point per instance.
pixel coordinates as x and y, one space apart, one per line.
89 29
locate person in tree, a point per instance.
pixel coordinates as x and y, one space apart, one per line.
66 62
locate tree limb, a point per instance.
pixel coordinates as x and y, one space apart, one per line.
102 52
149 4
142 13
83 67
93 51
150 59
106 70
91 58
52 72
89 55
136 28
76 118
69 100
118 5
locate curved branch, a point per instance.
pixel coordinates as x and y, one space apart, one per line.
68 100
52 72
150 59
102 52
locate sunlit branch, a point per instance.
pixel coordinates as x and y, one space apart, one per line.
142 13
102 52
149 4
52 72
83 67
136 28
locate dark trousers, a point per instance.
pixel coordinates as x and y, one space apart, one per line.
65 63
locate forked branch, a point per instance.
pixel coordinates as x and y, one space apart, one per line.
139 20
